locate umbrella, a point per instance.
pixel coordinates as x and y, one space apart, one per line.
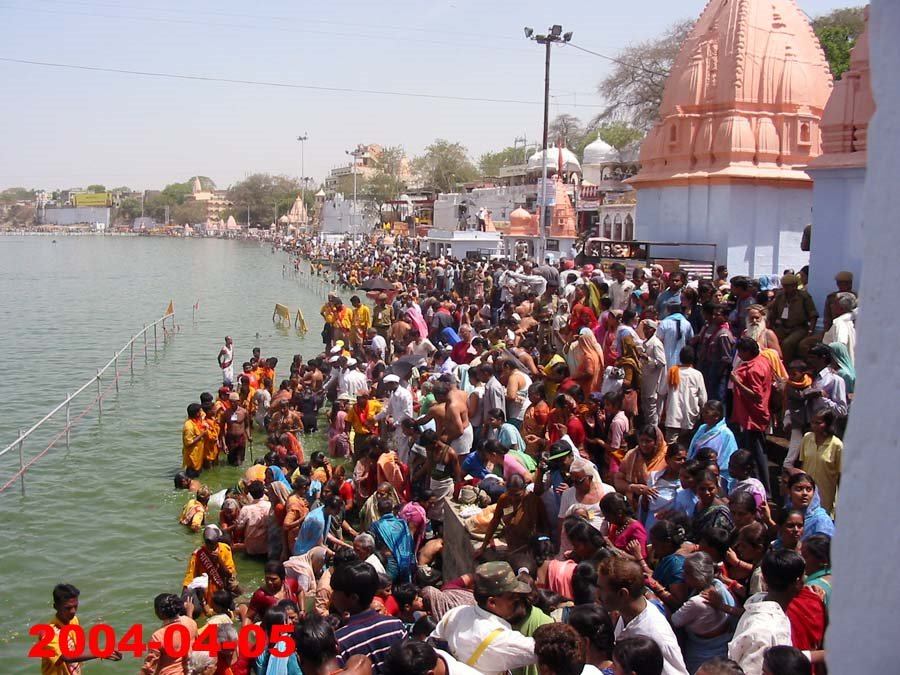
376 284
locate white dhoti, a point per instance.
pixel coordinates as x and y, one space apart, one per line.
462 444
441 488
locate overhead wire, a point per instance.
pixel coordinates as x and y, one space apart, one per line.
303 19
622 62
282 85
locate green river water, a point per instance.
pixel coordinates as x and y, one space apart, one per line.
103 515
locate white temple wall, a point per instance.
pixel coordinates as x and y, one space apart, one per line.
757 228
837 233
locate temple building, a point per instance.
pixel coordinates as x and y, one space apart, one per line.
605 202
739 121
215 201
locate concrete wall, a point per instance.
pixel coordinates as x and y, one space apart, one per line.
757 228
75 215
862 634
837 234
337 217
500 201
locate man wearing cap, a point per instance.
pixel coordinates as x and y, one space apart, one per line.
382 316
213 559
792 315
844 282
399 407
481 636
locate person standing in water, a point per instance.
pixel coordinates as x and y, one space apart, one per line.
226 362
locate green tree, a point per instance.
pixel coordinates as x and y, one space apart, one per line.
264 194
490 163
176 193
568 128
16 194
617 134
444 165
96 188
635 86
128 210
838 32
122 189
189 213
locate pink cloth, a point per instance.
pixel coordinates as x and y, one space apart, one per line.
635 531
414 514
559 577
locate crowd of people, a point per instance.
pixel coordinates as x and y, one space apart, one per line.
646 465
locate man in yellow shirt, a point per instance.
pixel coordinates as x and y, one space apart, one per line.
361 416
342 320
213 559
65 602
193 437
328 314
361 321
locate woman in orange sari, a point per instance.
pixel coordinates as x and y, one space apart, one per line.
588 357
534 423
639 462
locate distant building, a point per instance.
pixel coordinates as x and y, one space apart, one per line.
215 201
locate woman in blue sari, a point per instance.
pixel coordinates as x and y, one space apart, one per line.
274 473
394 540
843 364
714 434
804 496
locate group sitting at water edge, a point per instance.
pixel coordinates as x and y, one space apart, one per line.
647 466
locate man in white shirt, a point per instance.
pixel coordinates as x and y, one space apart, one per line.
621 586
653 377
685 393
399 407
412 657
843 327
481 636
764 622
364 545
352 379
379 344
620 288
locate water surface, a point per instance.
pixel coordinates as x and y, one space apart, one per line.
103 515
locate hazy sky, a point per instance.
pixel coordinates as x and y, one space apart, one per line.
64 127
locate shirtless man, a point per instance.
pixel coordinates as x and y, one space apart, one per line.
451 417
226 362
399 332
237 431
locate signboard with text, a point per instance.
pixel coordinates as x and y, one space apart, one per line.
91 199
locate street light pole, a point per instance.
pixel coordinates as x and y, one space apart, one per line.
302 140
554 34
355 154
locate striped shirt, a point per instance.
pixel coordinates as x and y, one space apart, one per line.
371 634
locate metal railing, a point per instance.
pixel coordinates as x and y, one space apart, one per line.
98 400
